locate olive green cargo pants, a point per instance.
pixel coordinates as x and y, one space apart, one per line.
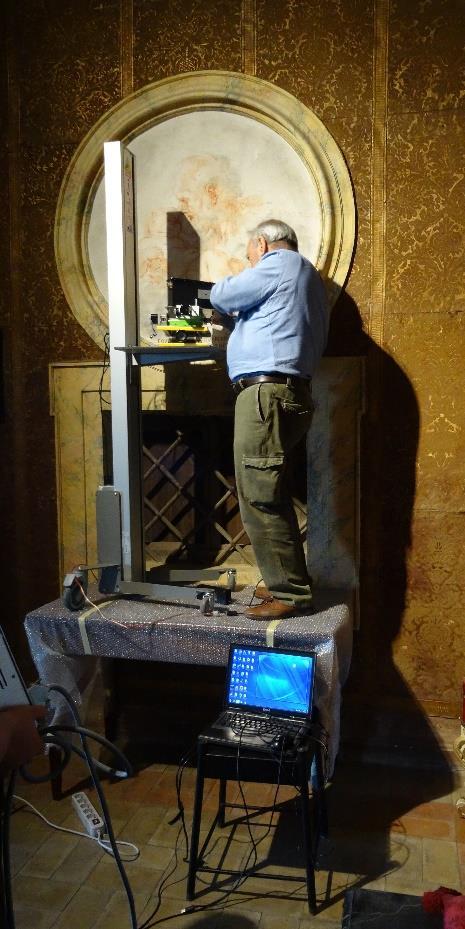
270 419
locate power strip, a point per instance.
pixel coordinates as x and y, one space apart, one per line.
91 820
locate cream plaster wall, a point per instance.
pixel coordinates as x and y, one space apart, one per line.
223 173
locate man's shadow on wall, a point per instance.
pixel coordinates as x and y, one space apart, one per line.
382 721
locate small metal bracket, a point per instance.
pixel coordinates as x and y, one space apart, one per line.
75 588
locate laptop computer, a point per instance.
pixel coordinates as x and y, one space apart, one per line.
268 697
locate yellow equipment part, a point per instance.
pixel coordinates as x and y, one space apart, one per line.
174 329
180 344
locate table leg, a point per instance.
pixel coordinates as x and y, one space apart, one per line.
222 803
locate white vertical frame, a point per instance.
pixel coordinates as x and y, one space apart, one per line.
125 377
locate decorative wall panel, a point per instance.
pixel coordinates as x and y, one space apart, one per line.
69 60
320 52
430 647
43 328
45 314
323 54
76 407
354 136
424 331
427 56
7 565
185 35
428 345
5 298
425 246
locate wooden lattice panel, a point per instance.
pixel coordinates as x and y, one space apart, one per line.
190 503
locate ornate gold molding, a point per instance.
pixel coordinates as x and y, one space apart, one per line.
185 93
249 36
127 47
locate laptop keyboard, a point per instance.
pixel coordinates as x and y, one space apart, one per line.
254 724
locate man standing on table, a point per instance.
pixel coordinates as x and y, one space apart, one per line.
280 330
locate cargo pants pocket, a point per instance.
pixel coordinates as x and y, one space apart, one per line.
262 481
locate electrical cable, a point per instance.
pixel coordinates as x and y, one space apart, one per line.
83 835
6 861
246 867
105 365
125 625
69 748
162 885
375 916
111 772
106 769
103 804
97 608
253 594
253 850
323 743
2 876
147 924
53 735
178 781
224 896
127 768
51 775
150 923
244 801
4 920
106 845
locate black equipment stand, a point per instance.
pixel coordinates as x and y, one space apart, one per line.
292 766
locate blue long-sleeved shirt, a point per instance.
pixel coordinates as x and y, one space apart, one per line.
281 315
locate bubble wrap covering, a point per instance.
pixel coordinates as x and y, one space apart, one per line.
60 642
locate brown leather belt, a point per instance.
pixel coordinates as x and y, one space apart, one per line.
290 379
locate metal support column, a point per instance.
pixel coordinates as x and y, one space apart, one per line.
125 378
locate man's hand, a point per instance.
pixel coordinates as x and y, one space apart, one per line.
19 739
217 319
220 319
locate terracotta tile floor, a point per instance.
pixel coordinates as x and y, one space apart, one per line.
391 828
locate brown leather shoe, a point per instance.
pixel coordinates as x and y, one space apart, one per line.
275 609
262 593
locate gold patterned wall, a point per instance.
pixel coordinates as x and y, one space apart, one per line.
387 77
424 322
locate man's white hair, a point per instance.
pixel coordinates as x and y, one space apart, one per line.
273 230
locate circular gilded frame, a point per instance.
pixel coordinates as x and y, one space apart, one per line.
186 93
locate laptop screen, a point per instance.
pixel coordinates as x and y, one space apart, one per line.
267 679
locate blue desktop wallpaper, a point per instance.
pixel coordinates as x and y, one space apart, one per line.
279 681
